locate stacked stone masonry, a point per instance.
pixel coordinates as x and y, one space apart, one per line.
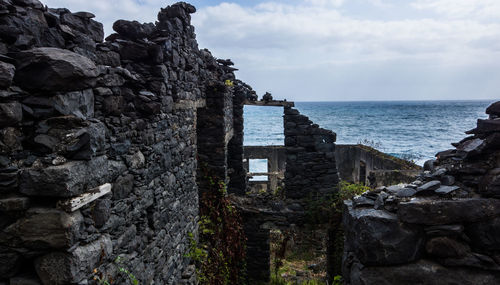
443 228
310 174
311 171
77 113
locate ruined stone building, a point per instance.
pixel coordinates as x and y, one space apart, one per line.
102 141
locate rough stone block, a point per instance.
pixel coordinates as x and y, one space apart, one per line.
494 109
71 137
378 238
24 280
442 212
8 179
7 72
81 22
485 234
10 263
44 228
10 139
59 268
485 126
446 247
54 69
10 114
123 186
66 180
77 103
101 212
14 204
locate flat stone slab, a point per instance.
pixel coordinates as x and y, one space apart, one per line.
421 272
444 190
428 188
273 103
441 212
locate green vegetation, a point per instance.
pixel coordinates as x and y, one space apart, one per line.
119 262
281 281
318 211
292 266
346 191
337 280
220 253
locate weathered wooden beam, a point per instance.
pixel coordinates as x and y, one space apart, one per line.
274 103
73 204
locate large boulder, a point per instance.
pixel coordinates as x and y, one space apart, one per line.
494 109
82 23
53 69
378 238
133 30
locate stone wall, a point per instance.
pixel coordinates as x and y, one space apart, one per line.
310 158
79 115
310 175
276 160
443 228
361 162
236 169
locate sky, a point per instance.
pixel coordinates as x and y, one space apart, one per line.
342 50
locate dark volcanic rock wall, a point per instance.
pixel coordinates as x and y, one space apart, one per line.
443 228
78 113
310 158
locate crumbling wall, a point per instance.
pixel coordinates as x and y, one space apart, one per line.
78 113
443 228
379 168
310 177
237 172
310 163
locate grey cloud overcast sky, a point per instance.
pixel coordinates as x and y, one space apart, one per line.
343 50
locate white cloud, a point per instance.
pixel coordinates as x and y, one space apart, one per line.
479 9
335 3
322 41
315 34
311 41
108 11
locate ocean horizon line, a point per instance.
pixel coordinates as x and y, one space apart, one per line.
402 101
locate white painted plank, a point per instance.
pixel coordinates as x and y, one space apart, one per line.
73 204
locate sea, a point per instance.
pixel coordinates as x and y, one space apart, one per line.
413 130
